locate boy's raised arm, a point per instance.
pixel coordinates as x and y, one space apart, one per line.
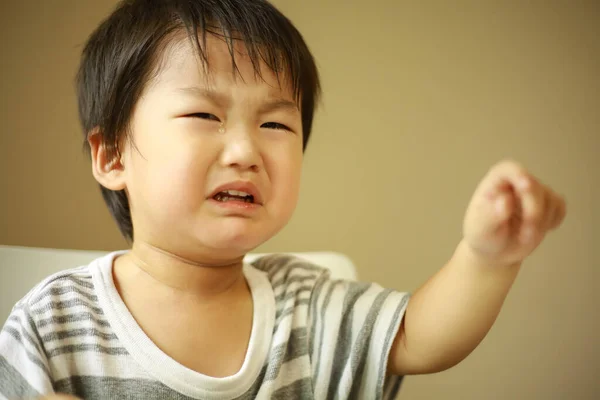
508 217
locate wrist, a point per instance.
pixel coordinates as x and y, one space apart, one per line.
475 260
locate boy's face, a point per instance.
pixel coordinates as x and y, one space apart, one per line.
194 136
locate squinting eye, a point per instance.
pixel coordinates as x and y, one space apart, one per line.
275 125
208 116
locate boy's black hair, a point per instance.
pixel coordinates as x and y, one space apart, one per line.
123 52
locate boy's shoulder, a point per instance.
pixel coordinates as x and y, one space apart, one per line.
285 269
59 290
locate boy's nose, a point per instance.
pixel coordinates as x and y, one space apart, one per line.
241 151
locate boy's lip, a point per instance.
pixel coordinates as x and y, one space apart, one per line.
240 186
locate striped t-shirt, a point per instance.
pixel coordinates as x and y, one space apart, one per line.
312 337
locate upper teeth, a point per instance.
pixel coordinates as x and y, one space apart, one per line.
236 193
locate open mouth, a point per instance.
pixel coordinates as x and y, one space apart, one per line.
233 195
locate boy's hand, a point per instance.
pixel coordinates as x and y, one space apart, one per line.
509 215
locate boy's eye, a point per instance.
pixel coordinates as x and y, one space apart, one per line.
275 125
208 116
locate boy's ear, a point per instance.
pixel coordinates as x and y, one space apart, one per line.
109 172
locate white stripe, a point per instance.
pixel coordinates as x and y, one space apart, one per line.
15 355
291 371
290 269
52 326
307 278
96 364
44 310
32 295
292 288
76 340
361 310
316 322
331 321
374 357
22 327
282 334
84 323
281 271
291 302
362 307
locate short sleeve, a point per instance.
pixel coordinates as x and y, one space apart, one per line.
24 371
352 329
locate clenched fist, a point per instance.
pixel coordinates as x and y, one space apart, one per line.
510 214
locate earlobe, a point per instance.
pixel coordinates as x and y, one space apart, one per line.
108 169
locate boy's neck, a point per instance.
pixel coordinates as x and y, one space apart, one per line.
204 281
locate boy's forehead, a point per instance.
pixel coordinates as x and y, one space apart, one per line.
182 67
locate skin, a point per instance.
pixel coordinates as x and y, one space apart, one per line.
188 254
508 217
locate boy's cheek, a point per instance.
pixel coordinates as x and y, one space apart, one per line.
286 191
173 186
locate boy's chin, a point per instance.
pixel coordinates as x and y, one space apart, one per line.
237 243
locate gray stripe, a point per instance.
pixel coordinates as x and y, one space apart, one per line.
101 387
300 389
61 305
295 347
92 347
288 280
275 263
63 319
80 282
282 313
82 273
32 357
57 291
13 385
104 387
317 359
20 328
392 387
297 264
271 263
361 347
389 337
286 295
312 313
344 343
87 332
39 344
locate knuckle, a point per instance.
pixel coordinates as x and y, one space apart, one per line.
536 213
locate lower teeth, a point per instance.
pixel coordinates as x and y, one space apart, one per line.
226 198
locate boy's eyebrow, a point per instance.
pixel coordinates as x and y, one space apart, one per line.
219 99
203 92
279 104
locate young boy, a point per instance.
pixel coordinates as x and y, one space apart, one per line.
196 114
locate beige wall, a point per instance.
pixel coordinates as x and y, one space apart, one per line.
420 99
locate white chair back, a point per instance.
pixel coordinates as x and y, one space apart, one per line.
21 268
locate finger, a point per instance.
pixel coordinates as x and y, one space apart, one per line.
504 210
499 179
506 173
552 205
559 215
533 201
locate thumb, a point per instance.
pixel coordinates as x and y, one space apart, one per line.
493 213
504 212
